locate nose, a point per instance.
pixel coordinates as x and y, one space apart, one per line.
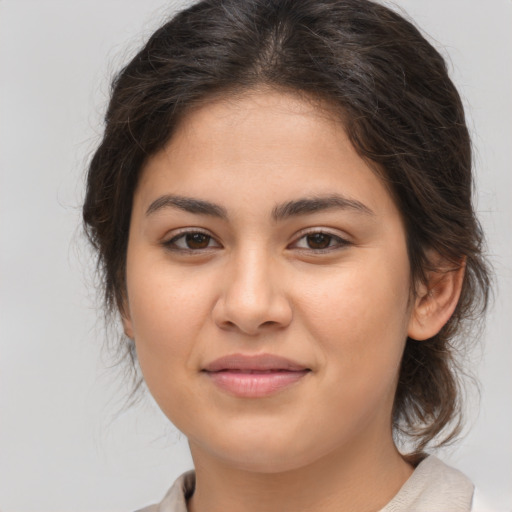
253 298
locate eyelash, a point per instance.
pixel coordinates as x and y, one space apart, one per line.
172 243
335 242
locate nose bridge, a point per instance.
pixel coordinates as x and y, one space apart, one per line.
253 296
251 279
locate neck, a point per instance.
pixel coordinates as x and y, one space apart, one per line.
345 479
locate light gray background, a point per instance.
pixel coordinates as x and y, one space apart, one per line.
61 448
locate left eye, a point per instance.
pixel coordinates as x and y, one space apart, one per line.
319 241
192 241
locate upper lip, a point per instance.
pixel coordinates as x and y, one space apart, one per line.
259 362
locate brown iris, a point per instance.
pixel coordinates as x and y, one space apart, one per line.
197 240
318 240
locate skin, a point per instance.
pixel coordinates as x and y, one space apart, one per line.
259 285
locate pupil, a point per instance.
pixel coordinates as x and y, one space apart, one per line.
197 241
319 241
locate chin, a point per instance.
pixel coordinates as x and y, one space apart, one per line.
265 453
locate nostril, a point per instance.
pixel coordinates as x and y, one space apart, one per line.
228 324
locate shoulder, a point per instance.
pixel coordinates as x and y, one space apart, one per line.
433 486
176 498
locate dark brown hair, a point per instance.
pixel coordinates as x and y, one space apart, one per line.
401 112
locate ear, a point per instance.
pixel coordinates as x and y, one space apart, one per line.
126 319
436 300
127 326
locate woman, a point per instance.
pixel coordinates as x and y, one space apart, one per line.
281 205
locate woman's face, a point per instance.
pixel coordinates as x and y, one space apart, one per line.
268 285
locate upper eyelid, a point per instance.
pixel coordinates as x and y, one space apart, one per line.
324 230
175 233
190 229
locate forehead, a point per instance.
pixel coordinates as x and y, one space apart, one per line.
262 148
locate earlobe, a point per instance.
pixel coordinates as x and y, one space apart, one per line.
126 320
127 326
435 302
123 309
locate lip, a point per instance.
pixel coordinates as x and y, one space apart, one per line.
254 376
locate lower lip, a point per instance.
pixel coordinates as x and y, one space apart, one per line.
255 385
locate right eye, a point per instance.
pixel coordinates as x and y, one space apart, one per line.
191 241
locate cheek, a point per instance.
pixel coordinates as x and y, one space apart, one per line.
164 304
368 294
359 317
167 314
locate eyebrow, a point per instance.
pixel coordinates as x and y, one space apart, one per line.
308 205
187 204
280 212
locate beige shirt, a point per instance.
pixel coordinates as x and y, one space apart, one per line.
433 487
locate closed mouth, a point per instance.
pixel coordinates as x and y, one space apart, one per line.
254 376
254 363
